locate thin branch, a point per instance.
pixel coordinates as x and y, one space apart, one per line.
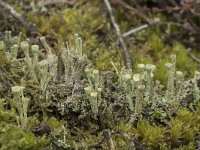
183 25
135 30
134 144
139 13
107 135
193 56
195 27
18 17
126 136
118 32
55 2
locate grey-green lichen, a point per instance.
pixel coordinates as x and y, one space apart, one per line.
171 78
21 104
74 60
80 107
28 60
94 89
52 60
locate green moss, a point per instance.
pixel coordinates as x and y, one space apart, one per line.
69 21
155 43
3 58
161 73
152 135
103 61
155 51
7 116
85 20
54 123
12 137
184 62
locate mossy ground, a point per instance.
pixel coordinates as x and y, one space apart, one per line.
90 20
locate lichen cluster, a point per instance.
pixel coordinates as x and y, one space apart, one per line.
152 45
61 101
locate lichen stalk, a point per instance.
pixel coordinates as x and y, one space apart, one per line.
149 79
170 82
28 60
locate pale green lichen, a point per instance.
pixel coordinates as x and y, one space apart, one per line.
196 91
139 102
14 51
25 47
78 45
73 60
43 74
141 68
93 91
125 82
2 46
21 104
35 52
52 60
149 79
8 35
28 60
122 103
170 82
179 83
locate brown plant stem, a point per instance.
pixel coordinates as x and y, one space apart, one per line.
107 135
118 32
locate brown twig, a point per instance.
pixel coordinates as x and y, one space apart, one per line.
118 32
195 27
107 135
55 2
134 144
126 136
132 31
188 51
18 16
139 13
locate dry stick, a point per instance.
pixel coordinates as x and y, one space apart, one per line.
195 27
18 16
132 31
125 135
134 144
55 2
121 40
135 30
188 51
139 13
107 135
